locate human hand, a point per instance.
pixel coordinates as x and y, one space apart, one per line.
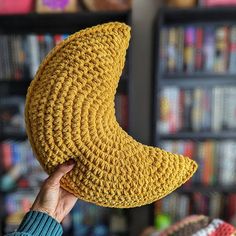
52 199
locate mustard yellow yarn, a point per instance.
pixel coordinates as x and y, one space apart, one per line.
70 113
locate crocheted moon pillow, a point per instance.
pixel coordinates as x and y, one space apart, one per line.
70 114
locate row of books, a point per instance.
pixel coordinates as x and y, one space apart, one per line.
198 49
216 160
85 219
12 114
198 109
15 173
23 54
66 6
89 219
215 205
16 204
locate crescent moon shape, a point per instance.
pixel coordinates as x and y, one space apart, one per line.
70 113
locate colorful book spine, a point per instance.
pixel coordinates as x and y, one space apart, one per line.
163 49
189 49
221 49
172 50
199 49
180 49
232 50
209 48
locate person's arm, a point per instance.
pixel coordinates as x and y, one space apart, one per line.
36 223
50 207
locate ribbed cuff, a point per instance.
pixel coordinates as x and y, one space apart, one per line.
40 224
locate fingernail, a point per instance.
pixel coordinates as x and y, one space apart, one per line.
70 162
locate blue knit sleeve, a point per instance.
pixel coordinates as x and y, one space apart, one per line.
38 224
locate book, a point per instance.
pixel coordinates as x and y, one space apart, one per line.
209 48
172 50
215 159
200 109
164 119
232 50
12 115
189 49
221 49
34 54
213 3
197 109
163 49
180 50
217 107
52 6
16 6
23 53
199 49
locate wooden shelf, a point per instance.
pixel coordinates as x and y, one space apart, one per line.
197 82
19 87
198 75
198 15
20 137
57 23
199 135
207 189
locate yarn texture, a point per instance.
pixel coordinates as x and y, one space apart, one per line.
70 114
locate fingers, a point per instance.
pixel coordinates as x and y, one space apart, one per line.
61 171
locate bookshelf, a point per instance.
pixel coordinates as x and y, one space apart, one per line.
177 49
52 24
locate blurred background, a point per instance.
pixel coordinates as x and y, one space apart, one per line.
177 91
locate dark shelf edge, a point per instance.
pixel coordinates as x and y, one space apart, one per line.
199 135
58 23
207 189
12 81
198 75
122 85
194 82
73 14
198 15
20 137
173 10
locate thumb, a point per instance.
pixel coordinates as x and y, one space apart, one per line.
61 171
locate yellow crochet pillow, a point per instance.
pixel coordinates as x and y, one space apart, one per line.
70 113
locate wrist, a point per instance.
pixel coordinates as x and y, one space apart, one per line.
46 211
40 224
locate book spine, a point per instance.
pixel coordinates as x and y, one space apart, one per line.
231 105
164 124
172 50
189 49
188 106
221 49
196 111
34 55
209 48
6 155
163 50
199 49
232 59
217 107
180 49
